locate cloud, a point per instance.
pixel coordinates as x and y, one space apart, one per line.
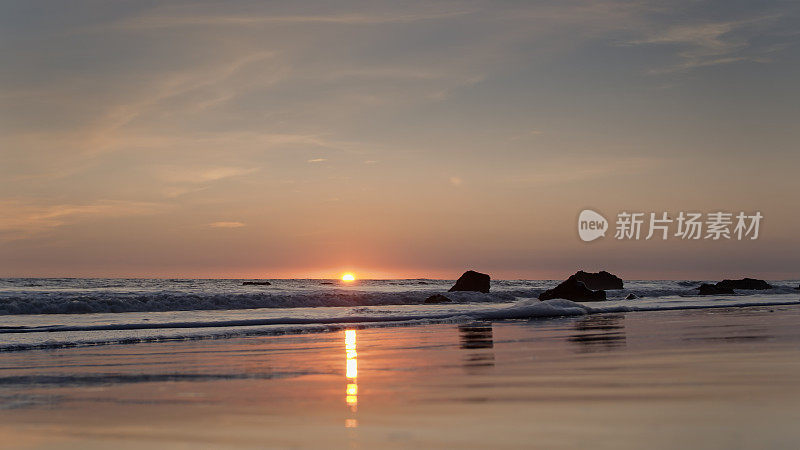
196 175
163 18
317 160
709 43
21 220
226 224
104 133
180 181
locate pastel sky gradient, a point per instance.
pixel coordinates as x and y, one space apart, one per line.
393 139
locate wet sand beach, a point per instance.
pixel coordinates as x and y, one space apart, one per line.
712 378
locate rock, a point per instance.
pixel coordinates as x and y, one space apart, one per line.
713 289
600 280
472 281
631 297
256 283
437 298
798 288
575 290
744 283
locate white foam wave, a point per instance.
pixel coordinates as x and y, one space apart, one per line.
144 330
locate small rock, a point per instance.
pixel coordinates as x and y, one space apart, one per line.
631 297
438 298
575 290
713 289
256 283
744 283
472 281
600 280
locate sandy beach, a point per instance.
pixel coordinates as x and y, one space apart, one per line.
711 378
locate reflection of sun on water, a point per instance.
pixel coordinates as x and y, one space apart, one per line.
351 394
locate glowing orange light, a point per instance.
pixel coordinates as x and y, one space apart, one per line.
348 277
350 353
352 399
351 358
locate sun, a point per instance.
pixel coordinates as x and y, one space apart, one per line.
348 277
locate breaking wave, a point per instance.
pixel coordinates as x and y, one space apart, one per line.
87 303
87 296
89 333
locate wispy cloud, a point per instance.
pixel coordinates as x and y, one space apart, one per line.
708 44
20 220
317 160
193 175
185 180
160 18
226 225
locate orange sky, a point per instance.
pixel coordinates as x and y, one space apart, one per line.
269 140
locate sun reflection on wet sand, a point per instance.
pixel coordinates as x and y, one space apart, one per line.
351 393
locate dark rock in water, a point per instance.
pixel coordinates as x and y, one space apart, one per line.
600 280
631 297
575 290
472 281
713 289
744 283
256 283
798 288
437 298
326 282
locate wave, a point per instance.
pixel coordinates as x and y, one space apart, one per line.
215 329
111 302
88 296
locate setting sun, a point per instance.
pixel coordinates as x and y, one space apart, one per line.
348 277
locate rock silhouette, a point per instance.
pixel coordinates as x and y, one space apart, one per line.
713 289
599 280
575 290
744 283
437 298
256 283
472 281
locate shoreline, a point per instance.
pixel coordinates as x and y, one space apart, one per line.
42 332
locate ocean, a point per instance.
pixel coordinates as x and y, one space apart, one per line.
50 313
